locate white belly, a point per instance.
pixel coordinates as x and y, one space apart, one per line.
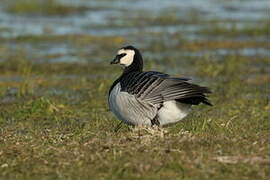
172 112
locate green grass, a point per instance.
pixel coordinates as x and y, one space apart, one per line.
43 7
63 129
169 17
55 122
258 29
77 39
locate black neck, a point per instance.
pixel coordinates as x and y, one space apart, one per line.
137 64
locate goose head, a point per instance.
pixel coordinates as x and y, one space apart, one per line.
129 57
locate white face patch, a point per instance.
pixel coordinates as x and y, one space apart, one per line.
128 58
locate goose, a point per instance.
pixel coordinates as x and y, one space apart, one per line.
150 98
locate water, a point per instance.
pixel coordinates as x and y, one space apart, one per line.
112 18
207 9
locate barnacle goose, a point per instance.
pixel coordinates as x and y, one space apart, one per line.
150 98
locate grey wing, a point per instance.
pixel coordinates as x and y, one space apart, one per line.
186 92
155 87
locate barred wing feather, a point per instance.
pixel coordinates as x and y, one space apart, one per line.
156 87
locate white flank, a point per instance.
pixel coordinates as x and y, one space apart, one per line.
172 112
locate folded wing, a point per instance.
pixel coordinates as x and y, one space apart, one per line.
156 87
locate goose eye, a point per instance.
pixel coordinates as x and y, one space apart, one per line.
121 55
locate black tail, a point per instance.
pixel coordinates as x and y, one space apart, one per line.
197 99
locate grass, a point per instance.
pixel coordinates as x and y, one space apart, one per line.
55 122
82 46
170 17
225 44
259 29
68 117
79 39
43 7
